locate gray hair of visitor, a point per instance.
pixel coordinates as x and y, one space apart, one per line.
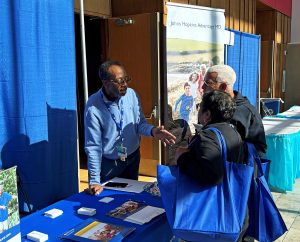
225 74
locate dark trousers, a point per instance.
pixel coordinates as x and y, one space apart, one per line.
183 124
125 169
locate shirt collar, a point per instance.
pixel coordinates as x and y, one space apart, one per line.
105 99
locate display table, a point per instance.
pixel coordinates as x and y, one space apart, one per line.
283 140
292 113
156 230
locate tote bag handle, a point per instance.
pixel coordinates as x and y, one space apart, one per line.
222 142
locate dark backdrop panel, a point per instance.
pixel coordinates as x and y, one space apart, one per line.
38 98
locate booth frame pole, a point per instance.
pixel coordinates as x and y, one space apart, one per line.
83 52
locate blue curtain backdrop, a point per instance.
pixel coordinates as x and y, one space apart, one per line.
244 58
38 98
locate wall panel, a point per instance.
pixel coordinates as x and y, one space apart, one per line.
273 25
265 25
278 24
237 15
240 14
266 74
229 15
218 4
181 1
246 16
289 30
285 29
205 3
130 7
252 16
227 7
94 7
193 2
279 66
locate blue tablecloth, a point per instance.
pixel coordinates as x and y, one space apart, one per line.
156 230
283 140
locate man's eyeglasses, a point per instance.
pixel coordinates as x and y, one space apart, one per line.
208 83
122 81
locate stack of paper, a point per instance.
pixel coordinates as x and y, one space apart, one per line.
145 215
131 185
136 212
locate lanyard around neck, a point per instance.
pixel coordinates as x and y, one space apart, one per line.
113 116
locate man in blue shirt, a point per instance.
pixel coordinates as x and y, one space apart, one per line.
114 121
4 201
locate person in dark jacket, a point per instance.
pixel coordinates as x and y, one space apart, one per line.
202 160
246 117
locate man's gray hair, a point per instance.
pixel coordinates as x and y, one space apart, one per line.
225 74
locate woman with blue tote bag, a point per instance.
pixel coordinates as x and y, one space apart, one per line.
206 195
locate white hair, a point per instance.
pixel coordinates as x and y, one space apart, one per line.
225 74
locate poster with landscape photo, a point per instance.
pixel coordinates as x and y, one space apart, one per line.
195 41
9 207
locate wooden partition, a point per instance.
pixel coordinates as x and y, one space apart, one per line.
279 66
283 28
266 70
130 7
274 26
101 8
272 67
240 14
249 16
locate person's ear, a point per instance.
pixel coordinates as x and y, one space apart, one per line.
223 86
105 83
207 117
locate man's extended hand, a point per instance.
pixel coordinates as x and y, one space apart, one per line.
163 135
94 189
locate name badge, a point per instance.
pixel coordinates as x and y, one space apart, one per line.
122 152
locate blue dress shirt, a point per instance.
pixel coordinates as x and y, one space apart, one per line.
101 132
185 107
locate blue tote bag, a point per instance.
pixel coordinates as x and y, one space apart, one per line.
207 213
265 221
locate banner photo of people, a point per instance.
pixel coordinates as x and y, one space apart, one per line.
195 41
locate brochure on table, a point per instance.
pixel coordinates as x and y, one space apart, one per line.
136 212
132 185
95 230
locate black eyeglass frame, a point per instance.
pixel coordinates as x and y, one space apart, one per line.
126 79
